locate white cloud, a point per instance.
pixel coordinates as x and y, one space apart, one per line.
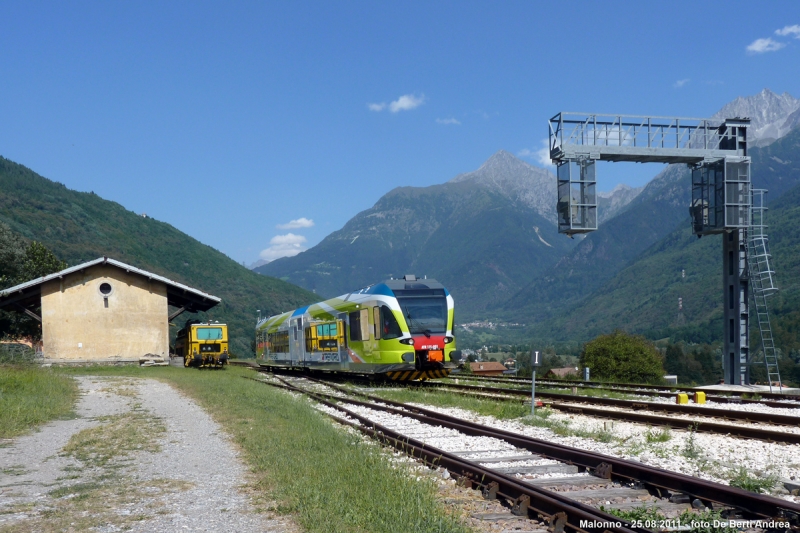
298 223
376 107
283 246
789 30
407 102
680 83
448 121
541 156
759 46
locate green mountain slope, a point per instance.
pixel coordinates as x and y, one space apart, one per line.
484 234
660 210
79 227
643 296
650 217
480 245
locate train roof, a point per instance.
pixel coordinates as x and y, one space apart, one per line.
391 287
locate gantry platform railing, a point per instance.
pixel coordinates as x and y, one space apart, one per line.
645 139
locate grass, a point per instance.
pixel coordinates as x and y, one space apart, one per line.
652 436
302 464
117 437
690 448
105 495
95 505
744 479
31 396
489 407
504 410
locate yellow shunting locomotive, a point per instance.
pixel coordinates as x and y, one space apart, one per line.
203 344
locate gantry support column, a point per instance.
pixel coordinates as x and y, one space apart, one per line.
736 313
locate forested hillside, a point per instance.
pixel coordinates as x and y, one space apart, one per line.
79 227
643 296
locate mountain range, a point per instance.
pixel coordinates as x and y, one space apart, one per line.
518 269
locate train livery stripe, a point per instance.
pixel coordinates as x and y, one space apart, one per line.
411 375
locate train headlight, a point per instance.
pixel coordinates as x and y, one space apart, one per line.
448 340
408 341
408 357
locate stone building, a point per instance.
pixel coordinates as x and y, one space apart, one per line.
104 310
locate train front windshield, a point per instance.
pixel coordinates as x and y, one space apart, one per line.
425 314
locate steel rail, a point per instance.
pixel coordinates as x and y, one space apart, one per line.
617 385
736 416
559 511
659 393
757 505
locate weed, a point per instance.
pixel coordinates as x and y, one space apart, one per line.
751 396
116 438
652 436
690 448
744 479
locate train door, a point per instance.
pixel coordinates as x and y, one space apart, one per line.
344 357
376 332
296 341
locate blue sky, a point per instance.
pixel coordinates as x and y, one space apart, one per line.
257 127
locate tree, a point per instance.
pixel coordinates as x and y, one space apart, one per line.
623 357
21 262
12 256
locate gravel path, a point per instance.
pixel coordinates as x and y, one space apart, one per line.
185 476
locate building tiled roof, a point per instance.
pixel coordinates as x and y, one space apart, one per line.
178 294
487 366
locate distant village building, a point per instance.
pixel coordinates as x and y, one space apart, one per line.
488 368
562 372
104 310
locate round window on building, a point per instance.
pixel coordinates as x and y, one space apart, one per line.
105 289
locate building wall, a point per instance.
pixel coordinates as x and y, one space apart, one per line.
78 323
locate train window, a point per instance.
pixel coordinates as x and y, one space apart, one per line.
279 342
376 322
208 334
359 325
389 325
355 326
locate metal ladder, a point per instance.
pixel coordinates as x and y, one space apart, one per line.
762 282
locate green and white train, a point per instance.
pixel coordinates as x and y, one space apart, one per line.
401 329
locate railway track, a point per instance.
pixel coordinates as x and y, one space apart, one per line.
771 399
632 411
558 485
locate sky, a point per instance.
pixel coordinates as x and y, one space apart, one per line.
258 128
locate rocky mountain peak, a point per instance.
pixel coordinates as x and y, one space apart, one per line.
505 174
768 113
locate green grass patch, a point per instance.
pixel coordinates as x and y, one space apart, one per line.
31 396
325 476
499 409
653 435
117 437
746 480
488 407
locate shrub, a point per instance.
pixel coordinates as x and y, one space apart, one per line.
623 357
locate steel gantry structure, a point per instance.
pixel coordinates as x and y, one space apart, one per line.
723 201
